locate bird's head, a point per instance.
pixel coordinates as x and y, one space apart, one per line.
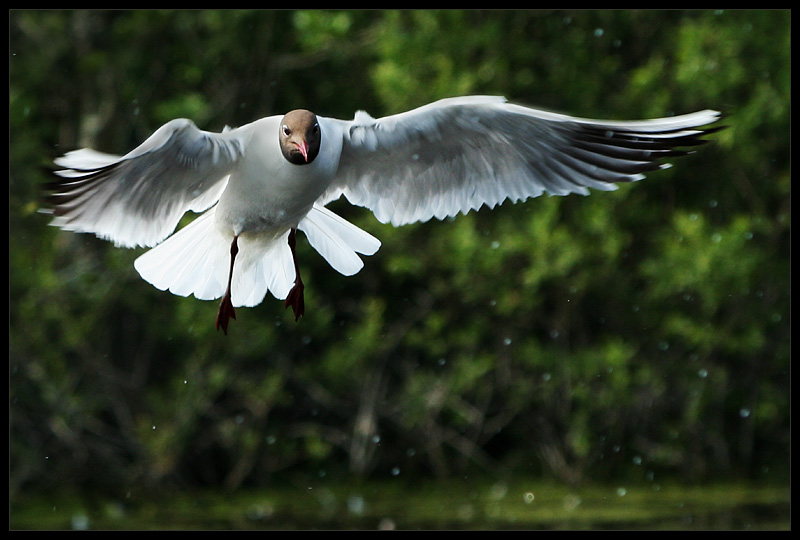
300 136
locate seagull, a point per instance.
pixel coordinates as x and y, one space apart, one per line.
255 186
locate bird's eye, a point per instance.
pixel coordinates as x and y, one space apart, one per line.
315 129
286 130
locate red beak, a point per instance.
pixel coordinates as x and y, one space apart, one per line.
303 147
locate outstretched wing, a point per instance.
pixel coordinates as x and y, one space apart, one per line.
457 154
138 199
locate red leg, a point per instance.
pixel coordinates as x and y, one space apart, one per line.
295 297
226 311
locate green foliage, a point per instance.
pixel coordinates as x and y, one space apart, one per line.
635 334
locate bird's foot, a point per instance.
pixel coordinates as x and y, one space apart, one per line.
225 313
296 300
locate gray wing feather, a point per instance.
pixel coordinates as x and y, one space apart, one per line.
458 154
138 199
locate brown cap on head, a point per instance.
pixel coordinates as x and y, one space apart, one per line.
300 136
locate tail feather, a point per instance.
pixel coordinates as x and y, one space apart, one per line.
264 267
212 280
196 259
337 240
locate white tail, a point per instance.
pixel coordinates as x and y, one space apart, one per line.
338 240
196 259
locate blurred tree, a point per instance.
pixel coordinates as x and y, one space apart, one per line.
623 335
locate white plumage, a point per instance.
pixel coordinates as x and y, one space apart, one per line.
259 183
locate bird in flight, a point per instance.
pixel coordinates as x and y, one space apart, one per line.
258 184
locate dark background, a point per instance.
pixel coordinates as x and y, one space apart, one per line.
625 336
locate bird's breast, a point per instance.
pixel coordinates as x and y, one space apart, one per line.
266 192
